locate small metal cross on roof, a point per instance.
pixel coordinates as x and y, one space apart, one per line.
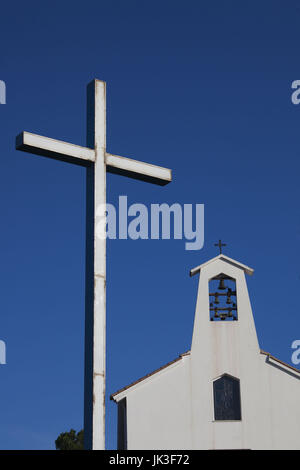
220 244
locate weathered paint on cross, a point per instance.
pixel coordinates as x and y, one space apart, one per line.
97 162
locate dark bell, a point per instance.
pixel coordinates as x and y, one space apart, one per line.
222 285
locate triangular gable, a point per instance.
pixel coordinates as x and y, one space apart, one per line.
228 260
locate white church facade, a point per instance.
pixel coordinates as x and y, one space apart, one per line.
225 393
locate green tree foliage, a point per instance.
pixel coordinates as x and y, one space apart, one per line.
70 440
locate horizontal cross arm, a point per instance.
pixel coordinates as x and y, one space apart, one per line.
52 148
138 170
64 151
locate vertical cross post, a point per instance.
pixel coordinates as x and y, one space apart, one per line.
95 322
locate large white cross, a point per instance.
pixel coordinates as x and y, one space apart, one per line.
97 161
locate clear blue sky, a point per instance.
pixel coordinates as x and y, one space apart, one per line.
198 86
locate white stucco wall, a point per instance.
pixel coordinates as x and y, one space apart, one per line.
167 405
173 409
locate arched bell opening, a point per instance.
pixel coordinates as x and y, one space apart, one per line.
222 298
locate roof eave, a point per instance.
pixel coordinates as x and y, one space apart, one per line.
228 260
114 396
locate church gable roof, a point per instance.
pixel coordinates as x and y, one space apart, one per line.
179 358
275 359
228 260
